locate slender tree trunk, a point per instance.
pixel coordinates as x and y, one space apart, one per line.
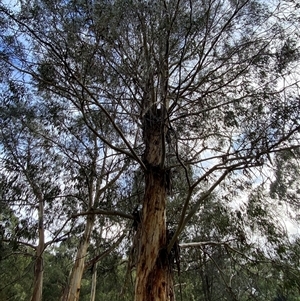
78 268
94 282
38 279
39 264
153 279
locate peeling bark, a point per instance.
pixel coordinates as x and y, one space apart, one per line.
153 277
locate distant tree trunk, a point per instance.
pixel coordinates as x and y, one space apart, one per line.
39 264
94 282
153 279
78 268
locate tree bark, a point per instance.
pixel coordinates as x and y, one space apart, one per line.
78 268
38 280
153 278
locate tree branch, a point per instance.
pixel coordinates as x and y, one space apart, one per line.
103 254
103 212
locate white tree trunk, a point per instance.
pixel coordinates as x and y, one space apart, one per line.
94 283
78 268
39 264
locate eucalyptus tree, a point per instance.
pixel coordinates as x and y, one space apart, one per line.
31 175
94 174
236 254
38 166
286 178
189 85
16 261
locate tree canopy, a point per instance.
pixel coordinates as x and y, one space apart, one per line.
156 121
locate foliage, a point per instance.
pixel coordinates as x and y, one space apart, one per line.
102 98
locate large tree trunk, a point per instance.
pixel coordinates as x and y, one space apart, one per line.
78 268
153 279
39 264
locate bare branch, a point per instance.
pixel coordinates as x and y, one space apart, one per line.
103 212
99 257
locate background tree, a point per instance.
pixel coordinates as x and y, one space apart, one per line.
16 261
32 177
